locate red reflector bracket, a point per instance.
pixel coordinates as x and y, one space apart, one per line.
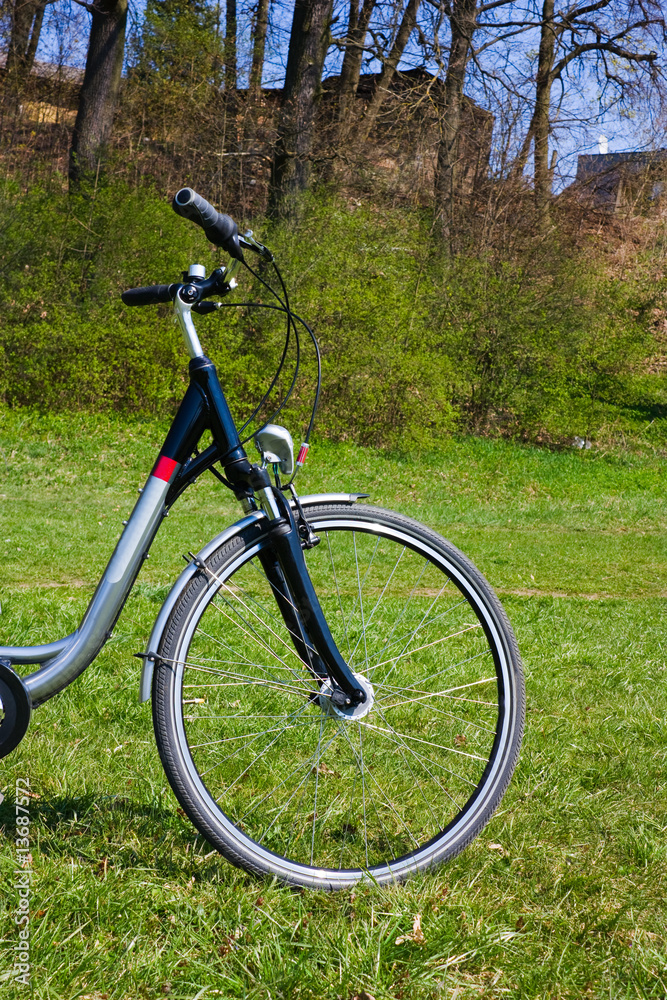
301 458
164 468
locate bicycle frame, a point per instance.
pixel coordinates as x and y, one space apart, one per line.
204 407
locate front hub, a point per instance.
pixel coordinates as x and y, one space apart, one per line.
348 713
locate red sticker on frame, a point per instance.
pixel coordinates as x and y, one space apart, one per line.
164 468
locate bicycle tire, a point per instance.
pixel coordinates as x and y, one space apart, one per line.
400 789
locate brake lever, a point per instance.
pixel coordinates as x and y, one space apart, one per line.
248 242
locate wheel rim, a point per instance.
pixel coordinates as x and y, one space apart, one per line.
293 781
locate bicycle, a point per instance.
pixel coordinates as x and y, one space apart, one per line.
337 693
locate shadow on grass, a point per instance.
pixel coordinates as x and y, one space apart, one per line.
111 831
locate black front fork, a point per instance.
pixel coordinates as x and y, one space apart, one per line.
287 573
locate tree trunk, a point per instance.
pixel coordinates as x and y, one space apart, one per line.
34 35
405 29
258 47
462 21
99 90
291 169
541 114
519 165
354 54
27 18
231 27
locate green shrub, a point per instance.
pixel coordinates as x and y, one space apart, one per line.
414 345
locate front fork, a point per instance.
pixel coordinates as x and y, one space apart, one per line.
204 406
288 576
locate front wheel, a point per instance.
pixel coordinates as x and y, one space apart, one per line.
284 783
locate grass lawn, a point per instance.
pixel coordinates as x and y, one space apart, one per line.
563 895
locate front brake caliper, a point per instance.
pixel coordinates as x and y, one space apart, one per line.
308 537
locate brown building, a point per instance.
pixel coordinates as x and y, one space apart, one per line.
406 135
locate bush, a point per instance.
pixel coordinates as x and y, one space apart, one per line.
413 344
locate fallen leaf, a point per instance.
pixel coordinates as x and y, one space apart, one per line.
416 935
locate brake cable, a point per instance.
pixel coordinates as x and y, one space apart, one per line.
291 326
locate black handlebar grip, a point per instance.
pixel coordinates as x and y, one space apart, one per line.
220 229
150 295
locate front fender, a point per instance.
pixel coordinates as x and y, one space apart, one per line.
146 681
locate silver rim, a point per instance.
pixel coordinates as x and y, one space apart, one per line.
292 784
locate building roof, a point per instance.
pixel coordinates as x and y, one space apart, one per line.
632 161
608 177
51 71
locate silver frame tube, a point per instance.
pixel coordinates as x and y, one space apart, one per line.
36 654
78 651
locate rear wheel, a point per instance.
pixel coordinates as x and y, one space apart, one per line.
282 782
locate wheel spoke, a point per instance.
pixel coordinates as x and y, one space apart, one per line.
412 635
242 736
238 680
405 607
368 568
377 603
262 644
425 623
262 754
433 763
253 630
363 794
304 764
340 606
426 645
429 743
437 824
317 778
347 825
446 670
438 711
383 798
361 602
448 691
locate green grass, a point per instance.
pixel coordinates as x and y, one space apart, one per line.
561 896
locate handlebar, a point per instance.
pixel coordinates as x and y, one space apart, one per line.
220 229
149 295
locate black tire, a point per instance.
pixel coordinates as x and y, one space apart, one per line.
309 797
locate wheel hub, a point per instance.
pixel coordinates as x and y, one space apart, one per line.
349 713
